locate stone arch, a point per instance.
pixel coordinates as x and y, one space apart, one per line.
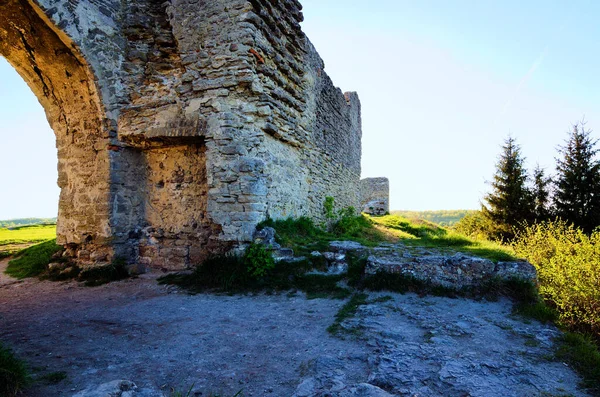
64 84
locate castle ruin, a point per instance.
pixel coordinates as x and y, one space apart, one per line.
181 125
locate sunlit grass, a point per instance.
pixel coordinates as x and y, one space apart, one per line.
27 234
421 233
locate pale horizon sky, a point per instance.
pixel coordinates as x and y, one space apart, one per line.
442 84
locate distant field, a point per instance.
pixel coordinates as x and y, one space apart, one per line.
15 239
25 222
442 218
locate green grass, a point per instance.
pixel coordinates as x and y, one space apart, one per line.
27 234
54 378
538 311
420 233
13 373
303 236
347 311
32 261
582 354
230 274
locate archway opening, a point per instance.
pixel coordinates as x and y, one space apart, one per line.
29 157
64 85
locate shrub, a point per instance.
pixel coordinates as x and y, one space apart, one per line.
474 225
258 260
99 275
13 374
568 265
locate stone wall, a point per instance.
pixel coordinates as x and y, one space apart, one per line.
182 124
375 196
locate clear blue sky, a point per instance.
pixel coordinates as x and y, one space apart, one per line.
442 84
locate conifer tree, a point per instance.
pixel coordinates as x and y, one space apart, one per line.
510 203
577 197
541 195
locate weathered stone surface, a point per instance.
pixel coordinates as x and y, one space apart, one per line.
266 237
451 270
375 196
454 270
444 347
181 125
118 388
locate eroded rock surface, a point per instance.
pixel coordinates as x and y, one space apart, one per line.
444 347
455 270
160 338
450 269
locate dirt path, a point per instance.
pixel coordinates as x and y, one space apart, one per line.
272 345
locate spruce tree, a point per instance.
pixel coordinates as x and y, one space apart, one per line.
577 198
541 195
510 203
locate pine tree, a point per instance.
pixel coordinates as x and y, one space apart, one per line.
510 203
577 198
541 195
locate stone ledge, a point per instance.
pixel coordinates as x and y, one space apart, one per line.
455 271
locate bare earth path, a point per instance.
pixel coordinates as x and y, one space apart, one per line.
273 345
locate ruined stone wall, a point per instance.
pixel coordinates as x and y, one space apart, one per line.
375 196
204 118
312 141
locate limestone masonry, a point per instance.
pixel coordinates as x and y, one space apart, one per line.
182 124
375 196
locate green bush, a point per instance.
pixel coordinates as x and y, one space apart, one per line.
13 374
568 266
475 225
258 260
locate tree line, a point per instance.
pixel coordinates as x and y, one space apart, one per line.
518 198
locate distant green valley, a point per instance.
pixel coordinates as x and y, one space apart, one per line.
442 217
26 222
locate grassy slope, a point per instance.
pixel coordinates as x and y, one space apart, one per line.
32 261
420 233
15 239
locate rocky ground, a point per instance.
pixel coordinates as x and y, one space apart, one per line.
160 338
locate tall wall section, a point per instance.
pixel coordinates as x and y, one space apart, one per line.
312 143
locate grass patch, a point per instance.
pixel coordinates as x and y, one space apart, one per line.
421 233
304 237
232 274
520 291
347 311
99 275
582 354
54 378
32 261
538 311
27 234
13 373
